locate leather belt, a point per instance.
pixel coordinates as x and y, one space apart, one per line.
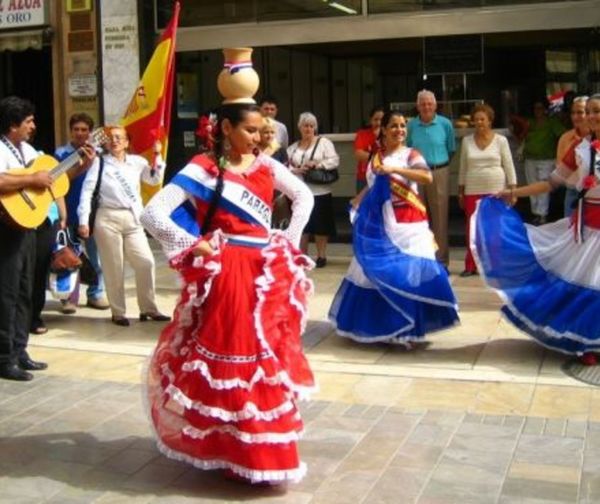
437 166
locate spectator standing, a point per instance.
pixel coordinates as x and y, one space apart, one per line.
80 127
539 136
117 229
17 246
486 167
313 151
433 136
268 108
365 144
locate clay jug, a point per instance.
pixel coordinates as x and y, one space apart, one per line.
238 82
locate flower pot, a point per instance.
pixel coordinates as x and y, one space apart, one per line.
238 82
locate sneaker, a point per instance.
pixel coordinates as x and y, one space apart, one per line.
68 308
467 273
98 304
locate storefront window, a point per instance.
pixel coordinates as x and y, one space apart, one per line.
383 6
217 12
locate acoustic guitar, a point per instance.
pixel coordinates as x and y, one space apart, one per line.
28 208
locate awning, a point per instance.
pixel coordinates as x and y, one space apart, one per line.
21 40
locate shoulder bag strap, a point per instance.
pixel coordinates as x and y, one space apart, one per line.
99 180
312 154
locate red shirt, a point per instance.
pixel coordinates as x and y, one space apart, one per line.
365 140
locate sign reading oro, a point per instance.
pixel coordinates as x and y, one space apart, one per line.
21 13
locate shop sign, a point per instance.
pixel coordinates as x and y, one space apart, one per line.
83 85
22 13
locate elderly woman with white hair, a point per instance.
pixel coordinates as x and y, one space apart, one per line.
315 152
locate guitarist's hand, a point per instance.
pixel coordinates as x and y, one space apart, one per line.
88 154
83 231
40 180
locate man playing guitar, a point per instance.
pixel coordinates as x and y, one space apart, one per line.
17 246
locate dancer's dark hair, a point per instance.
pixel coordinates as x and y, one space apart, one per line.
387 117
235 113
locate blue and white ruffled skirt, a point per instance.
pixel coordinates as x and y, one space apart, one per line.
395 291
550 283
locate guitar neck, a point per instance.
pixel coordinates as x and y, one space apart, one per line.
66 164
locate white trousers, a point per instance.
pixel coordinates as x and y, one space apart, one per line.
120 237
535 171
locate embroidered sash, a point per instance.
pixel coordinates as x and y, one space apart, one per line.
237 199
407 195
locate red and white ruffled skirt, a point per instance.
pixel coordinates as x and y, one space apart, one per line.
227 371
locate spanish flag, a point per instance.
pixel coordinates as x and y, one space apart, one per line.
148 115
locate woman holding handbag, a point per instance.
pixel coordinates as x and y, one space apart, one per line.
313 158
117 229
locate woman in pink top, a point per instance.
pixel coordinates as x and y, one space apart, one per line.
486 167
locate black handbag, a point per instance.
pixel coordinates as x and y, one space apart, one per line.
95 202
320 176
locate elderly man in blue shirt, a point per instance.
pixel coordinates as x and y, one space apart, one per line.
433 136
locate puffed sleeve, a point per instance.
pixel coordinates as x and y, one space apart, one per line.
156 218
299 193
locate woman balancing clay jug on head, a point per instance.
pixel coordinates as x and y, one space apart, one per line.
227 372
548 276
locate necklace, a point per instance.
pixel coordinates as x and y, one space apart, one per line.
13 150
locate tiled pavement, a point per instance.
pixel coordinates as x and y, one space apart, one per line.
481 415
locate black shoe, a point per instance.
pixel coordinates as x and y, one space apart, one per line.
157 317
28 364
321 262
14 372
120 321
467 273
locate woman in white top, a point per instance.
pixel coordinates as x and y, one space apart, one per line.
486 167
117 227
313 151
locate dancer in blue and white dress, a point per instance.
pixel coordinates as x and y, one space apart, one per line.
395 291
548 276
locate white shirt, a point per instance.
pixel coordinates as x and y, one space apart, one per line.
486 171
281 134
120 185
25 153
324 155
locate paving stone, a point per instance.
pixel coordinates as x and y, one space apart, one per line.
535 489
555 427
550 450
375 412
534 425
356 410
431 434
398 485
418 456
576 429
473 418
493 419
438 492
514 421
129 461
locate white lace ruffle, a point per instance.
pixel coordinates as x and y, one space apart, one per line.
249 411
254 476
244 437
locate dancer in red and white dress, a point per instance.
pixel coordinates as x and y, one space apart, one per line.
227 372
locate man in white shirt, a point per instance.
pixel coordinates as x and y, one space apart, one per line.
268 108
17 246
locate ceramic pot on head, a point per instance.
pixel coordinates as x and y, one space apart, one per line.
238 82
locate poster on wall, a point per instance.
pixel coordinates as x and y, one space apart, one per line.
22 14
79 5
